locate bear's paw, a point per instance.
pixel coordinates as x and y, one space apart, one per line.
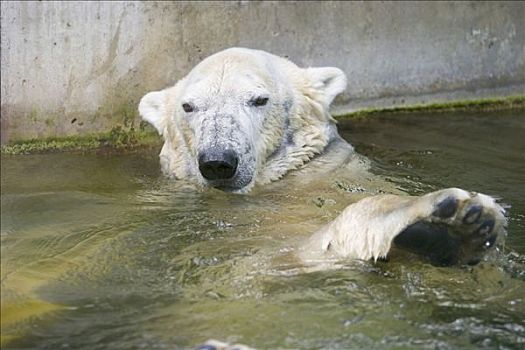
462 227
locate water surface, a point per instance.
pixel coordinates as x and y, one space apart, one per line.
99 251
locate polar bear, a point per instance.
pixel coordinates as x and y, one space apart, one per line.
243 118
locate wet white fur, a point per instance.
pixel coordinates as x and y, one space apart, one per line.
223 83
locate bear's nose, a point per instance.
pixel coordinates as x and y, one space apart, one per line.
217 164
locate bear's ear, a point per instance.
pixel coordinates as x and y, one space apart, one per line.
152 108
330 81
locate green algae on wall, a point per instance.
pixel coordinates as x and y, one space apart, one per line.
117 138
127 133
126 137
488 104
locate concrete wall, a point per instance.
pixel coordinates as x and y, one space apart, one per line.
81 67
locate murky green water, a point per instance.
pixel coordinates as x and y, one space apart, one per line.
100 252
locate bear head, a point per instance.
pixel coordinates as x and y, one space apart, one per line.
243 116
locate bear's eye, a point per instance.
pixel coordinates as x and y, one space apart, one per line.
188 108
259 101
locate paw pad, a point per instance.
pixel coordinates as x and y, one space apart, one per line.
446 208
460 229
486 227
473 214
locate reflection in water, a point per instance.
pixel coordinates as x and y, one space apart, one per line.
99 251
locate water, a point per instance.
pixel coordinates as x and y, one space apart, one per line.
99 251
